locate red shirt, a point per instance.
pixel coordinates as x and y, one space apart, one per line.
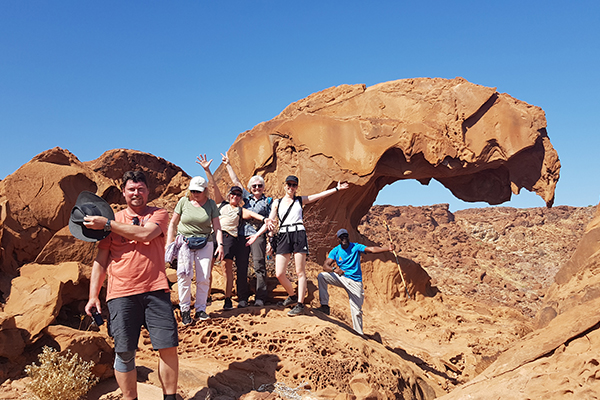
136 267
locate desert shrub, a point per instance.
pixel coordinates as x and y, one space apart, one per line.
64 377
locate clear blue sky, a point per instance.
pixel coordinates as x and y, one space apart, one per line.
179 78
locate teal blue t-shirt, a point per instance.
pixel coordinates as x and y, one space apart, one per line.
349 260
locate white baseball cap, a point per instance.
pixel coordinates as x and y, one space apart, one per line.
198 183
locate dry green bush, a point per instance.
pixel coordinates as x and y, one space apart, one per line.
60 377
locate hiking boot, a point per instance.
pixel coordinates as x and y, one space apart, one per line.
290 301
242 304
259 303
186 318
201 315
324 309
297 310
228 305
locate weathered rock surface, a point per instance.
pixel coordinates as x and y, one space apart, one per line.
498 256
561 358
578 281
471 333
480 144
41 290
91 346
36 201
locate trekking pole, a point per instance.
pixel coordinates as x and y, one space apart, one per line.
397 261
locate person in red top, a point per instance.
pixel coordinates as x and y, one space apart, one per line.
132 257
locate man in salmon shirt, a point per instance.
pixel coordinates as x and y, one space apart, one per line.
132 257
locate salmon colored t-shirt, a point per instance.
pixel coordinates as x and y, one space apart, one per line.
136 267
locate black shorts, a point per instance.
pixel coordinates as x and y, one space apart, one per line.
292 242
230 246
152 310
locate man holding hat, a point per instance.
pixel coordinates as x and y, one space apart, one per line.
342 269
132 256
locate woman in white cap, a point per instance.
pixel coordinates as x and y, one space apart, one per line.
291 239
194 218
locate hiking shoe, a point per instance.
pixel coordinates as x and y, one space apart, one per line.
186 318
201 315
228 305
290 301
324 309
259 303
242 304
297 310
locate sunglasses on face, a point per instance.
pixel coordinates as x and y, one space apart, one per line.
291 184
236 194
344 236
257 186
195 191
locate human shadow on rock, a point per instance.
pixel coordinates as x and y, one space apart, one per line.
256 374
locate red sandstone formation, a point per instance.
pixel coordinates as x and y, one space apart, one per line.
480 144
560 358
36 200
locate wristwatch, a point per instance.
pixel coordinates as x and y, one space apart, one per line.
107 226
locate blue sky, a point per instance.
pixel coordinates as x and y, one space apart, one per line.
180 78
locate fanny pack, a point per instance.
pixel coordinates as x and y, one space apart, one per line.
196 243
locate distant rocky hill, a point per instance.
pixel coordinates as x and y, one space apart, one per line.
495 255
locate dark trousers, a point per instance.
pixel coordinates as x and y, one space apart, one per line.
259 249
242 257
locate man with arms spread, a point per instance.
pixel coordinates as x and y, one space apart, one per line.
137 289
342 269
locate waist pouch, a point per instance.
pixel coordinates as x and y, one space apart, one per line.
196 243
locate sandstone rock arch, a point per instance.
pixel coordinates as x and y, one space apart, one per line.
480 144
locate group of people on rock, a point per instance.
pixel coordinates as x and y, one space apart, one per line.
239 225
201 230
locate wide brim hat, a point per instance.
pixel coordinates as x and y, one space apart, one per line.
89 203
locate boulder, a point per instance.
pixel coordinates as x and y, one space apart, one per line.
39 293
11 338
90 346
36 202
63 247
578 281
560 358
163 176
